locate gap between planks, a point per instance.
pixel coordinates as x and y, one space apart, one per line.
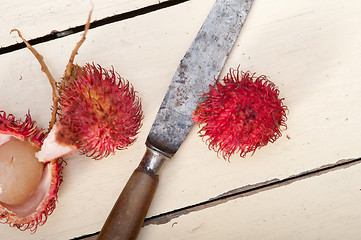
108 20
241 192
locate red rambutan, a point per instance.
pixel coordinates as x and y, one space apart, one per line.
240 113
95 110
98 112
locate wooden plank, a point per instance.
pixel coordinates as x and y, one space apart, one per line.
40 17
321 207
250 190
303 46
254 215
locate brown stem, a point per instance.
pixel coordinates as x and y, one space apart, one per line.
45 69
69 66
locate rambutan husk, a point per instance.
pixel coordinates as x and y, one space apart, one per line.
36 209
94 110
99 112
240 114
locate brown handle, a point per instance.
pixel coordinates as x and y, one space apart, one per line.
129 211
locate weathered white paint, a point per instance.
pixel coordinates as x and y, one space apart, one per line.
321 207
41 17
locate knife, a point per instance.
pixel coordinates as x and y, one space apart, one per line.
201 64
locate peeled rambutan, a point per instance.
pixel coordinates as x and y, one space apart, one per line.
240 114
98 112
28 188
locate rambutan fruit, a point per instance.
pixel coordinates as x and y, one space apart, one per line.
240 114
98 112
95 110
28 188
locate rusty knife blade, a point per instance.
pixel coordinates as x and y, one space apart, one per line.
201 64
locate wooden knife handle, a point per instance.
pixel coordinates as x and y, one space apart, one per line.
127 216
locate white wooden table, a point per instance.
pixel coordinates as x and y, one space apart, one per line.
304 186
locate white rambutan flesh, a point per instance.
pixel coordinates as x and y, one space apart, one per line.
18 169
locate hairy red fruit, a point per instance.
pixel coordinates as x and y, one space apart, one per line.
240 113
34 209
98 111
27 129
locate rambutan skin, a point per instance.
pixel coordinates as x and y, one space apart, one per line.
21 129
40 216
99 111
27 130
240 113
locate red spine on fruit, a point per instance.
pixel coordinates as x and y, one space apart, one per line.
21 129
240 113
99 111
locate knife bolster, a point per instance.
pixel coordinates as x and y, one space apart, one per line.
153 160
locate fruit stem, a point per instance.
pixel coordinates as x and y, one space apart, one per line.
70 64
45 69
